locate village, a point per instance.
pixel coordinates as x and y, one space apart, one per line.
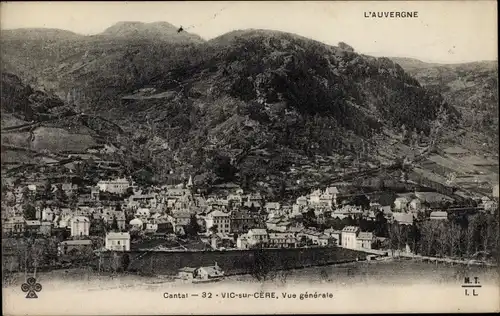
117 215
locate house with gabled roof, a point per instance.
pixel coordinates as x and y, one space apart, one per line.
364 240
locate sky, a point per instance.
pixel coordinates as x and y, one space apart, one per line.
444 32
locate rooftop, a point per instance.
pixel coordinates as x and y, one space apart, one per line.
116 235
218 213
77 242
350 229
439 214
257 231
365 236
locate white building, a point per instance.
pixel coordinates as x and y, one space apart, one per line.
349 237
314 197
301 201
401 203
364 240
272 206
118 186
403 218
333 192
79 226
257 236
118 241
439 215
243 242
219 219
48 214
151 228
136 224
282 240
415 205
142 212
495 191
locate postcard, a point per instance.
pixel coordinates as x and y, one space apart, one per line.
246 157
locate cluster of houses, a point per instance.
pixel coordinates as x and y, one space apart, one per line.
232 219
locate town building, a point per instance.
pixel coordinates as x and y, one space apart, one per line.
364 240
117 241
439 215
257 236
314 197
117 186
324 240
219 219
33 227
301 201
242 242
46 229
143 200
272 206
495 191
186 273
242 221
179 219
309 237
48 214
335 234
69 247
403 218
136 224
79 226
14 225
253 201
209 273
349 234
282 240
142 212
151 228
415 205
401 203
331 193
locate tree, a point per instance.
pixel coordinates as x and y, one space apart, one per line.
362 200
27 196
214 229
114 224
262 265
282 191
310 218
60 196
73 200
348 221
395 236
252 208
414 238
29 211
125 261
47 190
193 227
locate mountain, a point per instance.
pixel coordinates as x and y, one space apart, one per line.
39 128
155 31
246 106
472 88
35 53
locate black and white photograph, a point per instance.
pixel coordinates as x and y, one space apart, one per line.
249 157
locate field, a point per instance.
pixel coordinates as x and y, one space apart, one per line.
473 172
57 139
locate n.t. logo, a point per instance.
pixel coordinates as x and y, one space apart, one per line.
468 285
31 287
